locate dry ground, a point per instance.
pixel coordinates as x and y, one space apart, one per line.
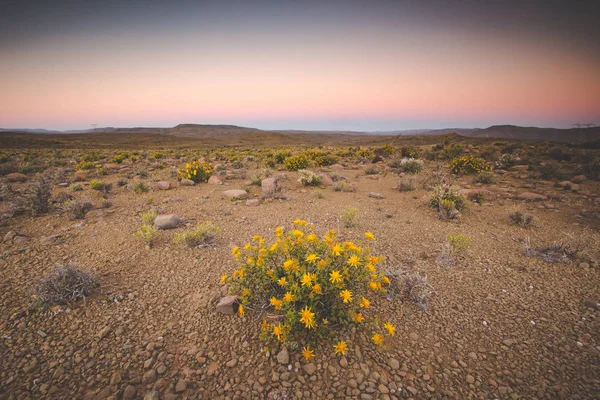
500 324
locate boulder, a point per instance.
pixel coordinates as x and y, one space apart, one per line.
167 221
16 177
163 185
235 194
253 202
111 167
529 196
227 305
215 180
579 178
326 180
269 186
376 195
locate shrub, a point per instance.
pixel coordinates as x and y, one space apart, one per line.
486 177
37 195
76 209
550 171
122 182
309 178
148 217
310 286
411 286
64 285
76 187
371 170
385 150
448 193
83 165
196 171
407 185
203 235
409 152
449 152
100 186
364 154
447 210
506 161
522 219
409 165
343 186
458 242
349 217
140 187
147 233
282 155
591 169
295 163
469 165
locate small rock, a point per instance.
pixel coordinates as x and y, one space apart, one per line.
283 357
227 305
235 194
343 362
149 376
48 240
269 186
181 386
470 379
529 196
395 364
215 180
167 221
310 368
413 336
232 363
103 332
591 304
253 202
163 185
152 395
16 177
187 182
129 392
376 195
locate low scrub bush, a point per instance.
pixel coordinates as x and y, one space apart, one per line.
343 186
203 235
349 217
486 177
306 288
458 242
550 171
76 187
408 165
469 165
76 209
407 185
140 187
295 163
309 178
197 171
64 285
448 200
101 186
520 218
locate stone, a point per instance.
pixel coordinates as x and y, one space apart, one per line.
395 364
187 182
235 194
413 336
519 168
376 195
227 305
152 395
167 221
181 386
472 193
326 180
529 196
115 379
231 363
591 304
149 376
111 167
162 185
269 186
103 332
215 180
470 379
48 240
253 202
16 177
579 178
283 357
310 368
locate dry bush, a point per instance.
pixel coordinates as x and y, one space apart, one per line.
343 186
520 218
65 284
411 286
407 184
76 209
203 235
571 247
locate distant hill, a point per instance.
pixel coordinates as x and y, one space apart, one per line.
205 131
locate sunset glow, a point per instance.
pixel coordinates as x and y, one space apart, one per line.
274 65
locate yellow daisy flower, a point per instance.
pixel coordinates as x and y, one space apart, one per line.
341 348
335 277
307 353
377 339
391 329
346 296
369 236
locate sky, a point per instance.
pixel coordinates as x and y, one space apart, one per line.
370 65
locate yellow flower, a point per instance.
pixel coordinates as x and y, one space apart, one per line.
279 231
282 281
391 329
307 353
311 257
248 246
307 317
288 296
374 285
277 331
335 277
297 222
241 310
288 264
223 278
250 260
273 247
256 238
377 339
235 250
316 288
297 233
346 296
325 321
336 249
354 261
365 303
386 280
341 348
312 238
276 303
307 279
371 268
359 318
369 236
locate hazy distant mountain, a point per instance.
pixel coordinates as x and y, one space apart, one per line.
205 131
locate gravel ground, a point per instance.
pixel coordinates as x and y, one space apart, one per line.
499 325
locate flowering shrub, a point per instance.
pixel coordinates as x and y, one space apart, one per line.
309 178
448 201
408 165
308 286
196 171
469 165
295 163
